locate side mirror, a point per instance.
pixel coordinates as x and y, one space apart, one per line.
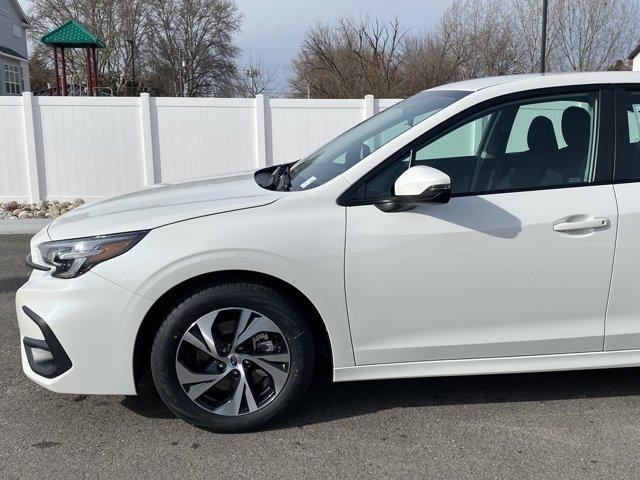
420 184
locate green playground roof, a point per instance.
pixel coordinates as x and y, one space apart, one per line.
72 35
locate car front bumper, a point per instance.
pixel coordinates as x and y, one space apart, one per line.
78 335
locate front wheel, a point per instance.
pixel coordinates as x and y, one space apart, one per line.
232 357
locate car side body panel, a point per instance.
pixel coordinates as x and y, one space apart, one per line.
623 315
298 239
482 276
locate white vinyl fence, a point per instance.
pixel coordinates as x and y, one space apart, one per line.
90 147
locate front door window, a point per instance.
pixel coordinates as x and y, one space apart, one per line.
548 142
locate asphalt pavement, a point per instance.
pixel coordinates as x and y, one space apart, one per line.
575 425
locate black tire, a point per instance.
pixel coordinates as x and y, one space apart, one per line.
260 298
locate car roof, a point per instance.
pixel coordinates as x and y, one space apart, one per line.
533 80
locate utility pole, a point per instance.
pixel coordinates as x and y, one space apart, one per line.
185 79
543 53
182 82
133 65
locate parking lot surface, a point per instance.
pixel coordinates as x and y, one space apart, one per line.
572 425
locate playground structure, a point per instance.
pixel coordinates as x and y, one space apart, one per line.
73 35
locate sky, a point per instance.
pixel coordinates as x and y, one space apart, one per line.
273 30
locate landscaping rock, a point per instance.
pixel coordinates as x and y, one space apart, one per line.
42 209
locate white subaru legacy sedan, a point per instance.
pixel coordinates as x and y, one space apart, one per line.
481 227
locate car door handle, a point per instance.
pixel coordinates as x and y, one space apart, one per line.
589 223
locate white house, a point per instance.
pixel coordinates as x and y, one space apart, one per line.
635 58
14 65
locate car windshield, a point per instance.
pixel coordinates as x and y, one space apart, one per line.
345 151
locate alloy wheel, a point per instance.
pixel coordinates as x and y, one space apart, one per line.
233 361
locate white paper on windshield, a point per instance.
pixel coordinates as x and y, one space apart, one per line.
307 182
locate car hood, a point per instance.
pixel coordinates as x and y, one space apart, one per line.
163 204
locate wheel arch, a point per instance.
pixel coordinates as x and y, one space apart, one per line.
169 299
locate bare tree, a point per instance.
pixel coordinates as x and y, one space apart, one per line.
192 45
429 61
40 71
474 38
483 36
593 34
438 56
254 79
527 24
350 59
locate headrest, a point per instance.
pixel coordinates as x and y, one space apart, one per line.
542 136
576 126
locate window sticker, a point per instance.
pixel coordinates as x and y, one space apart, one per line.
307 182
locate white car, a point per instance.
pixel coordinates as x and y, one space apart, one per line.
489 226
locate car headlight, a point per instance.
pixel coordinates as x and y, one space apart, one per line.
72 258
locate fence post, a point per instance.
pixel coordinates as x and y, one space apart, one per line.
263 157
369 106
147 140
35 192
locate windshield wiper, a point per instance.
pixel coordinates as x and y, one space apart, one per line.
281 178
